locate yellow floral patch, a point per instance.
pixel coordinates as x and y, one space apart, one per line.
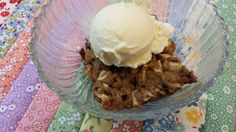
193 115
193 58
190 40
197 56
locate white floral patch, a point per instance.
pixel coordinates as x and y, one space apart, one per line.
13 60
70 121
233 77
3 71
8 68
62 120
229 109
11 107
37 86
3 108
214 116
226 90
210 97
126 128
116 124
156 124
224 128
76 116
30 89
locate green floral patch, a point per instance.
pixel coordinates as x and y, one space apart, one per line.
10 40
67 119
222 96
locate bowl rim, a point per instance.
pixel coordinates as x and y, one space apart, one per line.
126 115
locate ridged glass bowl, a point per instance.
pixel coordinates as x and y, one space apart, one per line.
64 25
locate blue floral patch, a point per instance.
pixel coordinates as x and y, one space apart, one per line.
164 124
15 24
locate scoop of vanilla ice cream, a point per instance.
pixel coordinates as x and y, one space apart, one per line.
124 35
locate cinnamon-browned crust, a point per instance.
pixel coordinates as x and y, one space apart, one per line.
120 88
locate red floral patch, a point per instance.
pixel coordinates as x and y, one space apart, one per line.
5 13
2 5
15 1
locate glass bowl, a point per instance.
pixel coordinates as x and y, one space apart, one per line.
64 25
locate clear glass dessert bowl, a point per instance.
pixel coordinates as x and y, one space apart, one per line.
63 26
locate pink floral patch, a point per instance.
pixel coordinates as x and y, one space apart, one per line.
12 64
39 115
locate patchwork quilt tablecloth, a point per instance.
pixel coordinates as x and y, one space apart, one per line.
27 105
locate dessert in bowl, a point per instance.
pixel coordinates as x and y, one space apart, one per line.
62 38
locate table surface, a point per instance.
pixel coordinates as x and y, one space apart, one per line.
26 104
